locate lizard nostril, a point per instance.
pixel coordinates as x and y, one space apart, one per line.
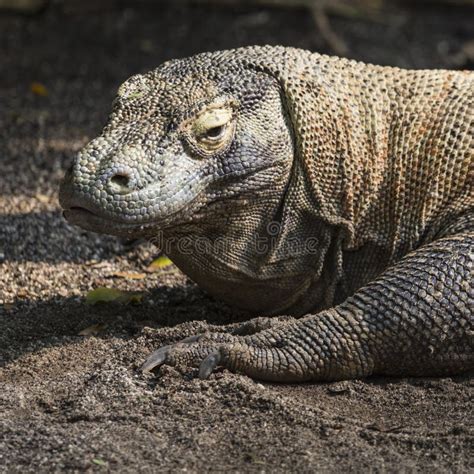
120 180
120 183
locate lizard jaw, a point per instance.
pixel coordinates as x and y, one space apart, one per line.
90 221
92 215
85 215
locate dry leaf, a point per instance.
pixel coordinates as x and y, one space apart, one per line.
105 295
93 330
159 263
38 89
130 275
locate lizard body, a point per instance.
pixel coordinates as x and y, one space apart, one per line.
287 182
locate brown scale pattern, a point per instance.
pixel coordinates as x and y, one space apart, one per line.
388 154
381 175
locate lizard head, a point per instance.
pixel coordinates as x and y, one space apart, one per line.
191 139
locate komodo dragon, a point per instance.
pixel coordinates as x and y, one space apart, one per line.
292 183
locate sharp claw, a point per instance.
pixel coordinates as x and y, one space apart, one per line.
155 359
209 364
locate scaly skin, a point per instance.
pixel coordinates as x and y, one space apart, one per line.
287 182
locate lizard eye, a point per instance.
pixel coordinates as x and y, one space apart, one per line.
215 133
213 129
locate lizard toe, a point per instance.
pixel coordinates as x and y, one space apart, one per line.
200 350
262 356
209 364
155 359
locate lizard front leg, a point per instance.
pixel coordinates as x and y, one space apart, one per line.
417 318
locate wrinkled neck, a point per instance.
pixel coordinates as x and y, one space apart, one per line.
265 256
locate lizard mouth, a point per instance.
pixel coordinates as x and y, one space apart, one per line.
101 223
79 210
83 212
89 220
79 214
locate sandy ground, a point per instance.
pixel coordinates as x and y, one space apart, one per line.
69 402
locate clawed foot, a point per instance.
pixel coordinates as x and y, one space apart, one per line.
207 350
252 348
